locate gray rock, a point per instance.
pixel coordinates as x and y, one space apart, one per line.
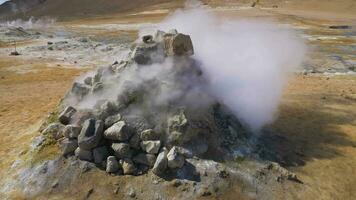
128 167
68 146
80 90
91 134
55 130
84 154
100 154
151 147
112 120
88 80
161 163
119 131
71 131
147 53
81 116
179 45
135 141
112 165
149 134
145 159
175 159
122 150
66 116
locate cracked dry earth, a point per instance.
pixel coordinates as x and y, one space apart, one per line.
314 135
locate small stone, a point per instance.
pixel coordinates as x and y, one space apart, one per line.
122 150
151 147
145 159
66 115
112 165
128 167
175 159
176 183
69 146
83 154
88 80
132 193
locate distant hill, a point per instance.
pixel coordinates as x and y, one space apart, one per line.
63 9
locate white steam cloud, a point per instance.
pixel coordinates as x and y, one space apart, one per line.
247 62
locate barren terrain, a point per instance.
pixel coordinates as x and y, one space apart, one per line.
314 134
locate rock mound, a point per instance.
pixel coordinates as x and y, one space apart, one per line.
152 110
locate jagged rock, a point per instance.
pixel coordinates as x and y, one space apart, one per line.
149 134
69 146
175 159
112 165
80 90
91 134
179 44
145 159
81 116
122 150
100 154
151 147
119 131
83 154
71 131
112 120
128 167
135 141
147 53
55 130
105 108
161 163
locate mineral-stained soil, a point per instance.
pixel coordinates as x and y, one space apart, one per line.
313 136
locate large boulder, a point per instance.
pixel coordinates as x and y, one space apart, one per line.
112 166
71 131
68 146
178 45
148 53
90 134
145 159
122 150
66 115
161 163
119 131
151 147
175 159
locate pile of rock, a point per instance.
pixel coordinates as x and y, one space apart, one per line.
160 137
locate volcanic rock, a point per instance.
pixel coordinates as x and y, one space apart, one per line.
100 154
80 90
55 130
112 120
112 165
161 163
66 115
71 131
119 131
91 134
151 147
83 154
179 45
135 141
145 159
175 159
122 150
128 167
149 134
68 146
